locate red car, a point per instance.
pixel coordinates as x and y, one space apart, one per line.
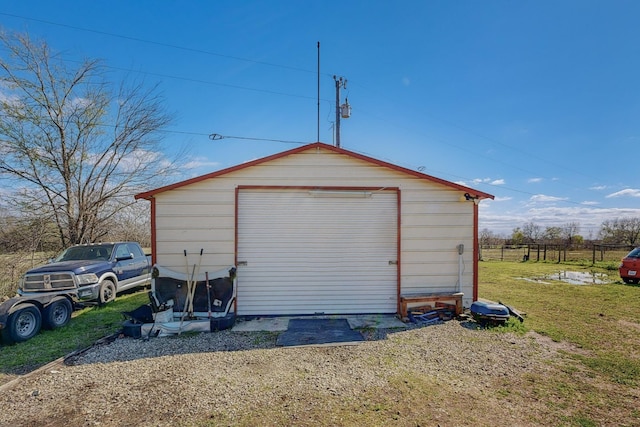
630 267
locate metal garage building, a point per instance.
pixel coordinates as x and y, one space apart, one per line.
320 229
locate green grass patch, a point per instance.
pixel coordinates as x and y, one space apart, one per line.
620 368
599 320
512 325
86 326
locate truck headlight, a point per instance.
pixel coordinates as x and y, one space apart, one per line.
86 279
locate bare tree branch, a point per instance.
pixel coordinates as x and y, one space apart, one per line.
76 144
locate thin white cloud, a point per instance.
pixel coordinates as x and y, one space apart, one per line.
200 162
7 97
406 81
477 181
502 199
627 192
598 187
590 218
589 203
533 180
543 198
491 181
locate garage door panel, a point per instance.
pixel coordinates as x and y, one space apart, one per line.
287 294
300 254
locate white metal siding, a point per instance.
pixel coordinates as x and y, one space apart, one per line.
312 252
435 218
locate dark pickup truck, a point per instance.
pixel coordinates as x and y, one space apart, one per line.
47 294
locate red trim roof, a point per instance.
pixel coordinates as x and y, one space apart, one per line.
474 193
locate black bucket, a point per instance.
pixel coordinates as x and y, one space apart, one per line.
131 329
221 323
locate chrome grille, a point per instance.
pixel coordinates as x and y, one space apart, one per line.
48 281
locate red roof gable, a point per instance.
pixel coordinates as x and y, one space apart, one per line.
474 193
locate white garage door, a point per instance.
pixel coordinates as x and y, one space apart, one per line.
312 252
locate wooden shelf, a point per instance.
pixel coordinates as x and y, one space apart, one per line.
455 298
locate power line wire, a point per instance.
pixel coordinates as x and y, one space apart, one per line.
162 44
188 49
200 51
217 137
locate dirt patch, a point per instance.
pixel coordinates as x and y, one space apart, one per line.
629 324
560 346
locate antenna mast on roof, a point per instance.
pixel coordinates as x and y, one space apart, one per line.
318 135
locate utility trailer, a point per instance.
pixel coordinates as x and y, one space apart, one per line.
22 317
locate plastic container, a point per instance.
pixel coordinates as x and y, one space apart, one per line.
484 312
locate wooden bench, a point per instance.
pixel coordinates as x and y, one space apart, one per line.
405 300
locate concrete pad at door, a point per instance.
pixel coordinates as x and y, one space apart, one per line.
356 321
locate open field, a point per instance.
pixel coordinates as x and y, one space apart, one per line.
574 362
601 256
597 327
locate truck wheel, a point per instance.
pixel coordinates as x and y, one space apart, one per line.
107 292
22 324
57 314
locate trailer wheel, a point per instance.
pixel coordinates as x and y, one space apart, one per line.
22 324
107 292
57 314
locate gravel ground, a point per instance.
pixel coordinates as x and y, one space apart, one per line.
242 378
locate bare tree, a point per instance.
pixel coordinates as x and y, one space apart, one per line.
489 238
75 147
621 231
570 232
532 232
553 235
133 223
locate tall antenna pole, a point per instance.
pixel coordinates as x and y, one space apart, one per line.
318 137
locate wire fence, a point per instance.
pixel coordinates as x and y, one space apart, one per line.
554 253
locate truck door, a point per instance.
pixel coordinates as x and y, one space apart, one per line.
141 261
125 267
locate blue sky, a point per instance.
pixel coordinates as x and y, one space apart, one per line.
535 102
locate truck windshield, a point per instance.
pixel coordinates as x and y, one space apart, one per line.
74 253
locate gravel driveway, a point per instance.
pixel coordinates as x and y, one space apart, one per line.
443 374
